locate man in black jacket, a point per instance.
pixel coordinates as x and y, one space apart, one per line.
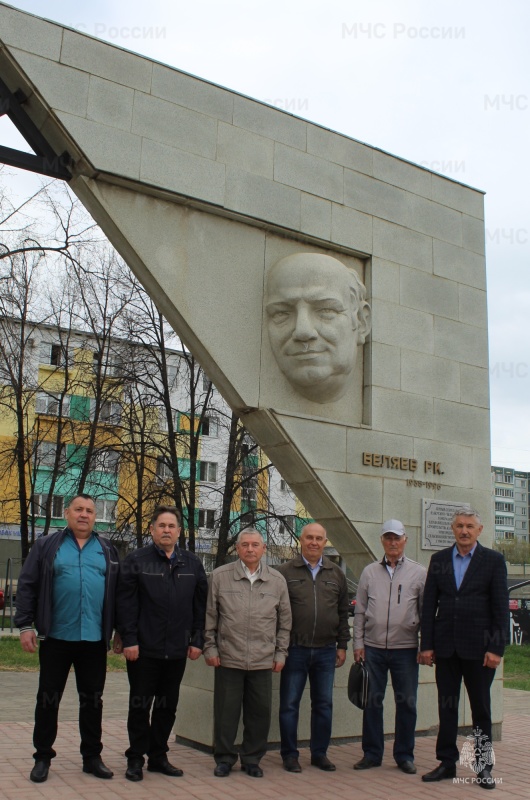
464 629
161 604
66 588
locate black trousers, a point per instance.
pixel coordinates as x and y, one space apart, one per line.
235 689
154 684
477 680
89 660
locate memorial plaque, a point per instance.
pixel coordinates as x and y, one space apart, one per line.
436 519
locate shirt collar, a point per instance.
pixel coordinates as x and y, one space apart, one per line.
386 562
318 564
164 554
467 554
250 574
71 534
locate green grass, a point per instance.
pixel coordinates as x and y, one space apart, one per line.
517 667
14 659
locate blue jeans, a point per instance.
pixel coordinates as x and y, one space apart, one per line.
403 668
317 663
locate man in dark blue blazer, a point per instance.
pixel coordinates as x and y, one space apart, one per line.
464 630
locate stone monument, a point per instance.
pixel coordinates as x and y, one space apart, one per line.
335 294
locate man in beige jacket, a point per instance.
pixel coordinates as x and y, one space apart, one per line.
248 621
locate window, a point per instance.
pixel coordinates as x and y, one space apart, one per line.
116 366
246 521
248 444
206 382
105 510
206 518
523 512
508 478
504 493
208 471
109 412
523 496
287 524
106 461
55 354
249 491
210 426
163 469
503 520
39 505
172 372
162 420
283 486
49 403
45 455
521 524
509 535
499 506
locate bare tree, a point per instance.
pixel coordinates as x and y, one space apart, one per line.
25 252
118 408
44 243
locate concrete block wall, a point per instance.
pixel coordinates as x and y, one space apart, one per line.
154 146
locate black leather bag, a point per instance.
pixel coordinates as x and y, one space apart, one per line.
358 684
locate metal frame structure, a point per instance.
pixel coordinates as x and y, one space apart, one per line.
45 161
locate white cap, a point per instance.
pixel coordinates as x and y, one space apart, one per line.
393 526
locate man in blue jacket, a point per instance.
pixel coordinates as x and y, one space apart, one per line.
160 604
464 629
66 588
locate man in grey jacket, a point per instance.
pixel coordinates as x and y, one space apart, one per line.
387 617
248 620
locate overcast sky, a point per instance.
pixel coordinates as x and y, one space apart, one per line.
445 85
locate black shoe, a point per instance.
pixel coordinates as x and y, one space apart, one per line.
39 773
407 767
254 770
484 779
291 764
165 768
323 762
95 766
366 763
441 772
134 769
222 769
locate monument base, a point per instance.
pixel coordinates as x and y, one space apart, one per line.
194 723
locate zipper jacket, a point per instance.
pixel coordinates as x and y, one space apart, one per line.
319 607
388 609
247 625
160 603
35 585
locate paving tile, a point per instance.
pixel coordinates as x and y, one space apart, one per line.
68 781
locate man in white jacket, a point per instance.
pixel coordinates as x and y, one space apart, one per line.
386 628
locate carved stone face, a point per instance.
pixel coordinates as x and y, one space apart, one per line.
316 318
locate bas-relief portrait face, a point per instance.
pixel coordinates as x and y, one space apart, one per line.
317 317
